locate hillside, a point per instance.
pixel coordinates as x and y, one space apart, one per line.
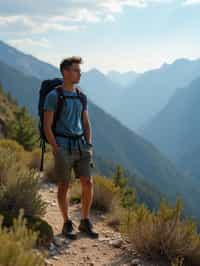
22 87
175 130
27 64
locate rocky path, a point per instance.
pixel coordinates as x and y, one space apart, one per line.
109 250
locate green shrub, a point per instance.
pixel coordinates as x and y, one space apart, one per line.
19 187
21 191
23 129
118 178
17 246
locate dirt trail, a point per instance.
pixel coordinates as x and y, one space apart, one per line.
109 250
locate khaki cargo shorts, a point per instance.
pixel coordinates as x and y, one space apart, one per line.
64 162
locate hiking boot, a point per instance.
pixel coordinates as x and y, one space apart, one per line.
68 230
86 227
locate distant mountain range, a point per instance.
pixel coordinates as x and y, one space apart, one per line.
176 129
134 105
27 64
152 90
123 79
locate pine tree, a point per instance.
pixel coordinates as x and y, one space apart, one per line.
118 177
23 129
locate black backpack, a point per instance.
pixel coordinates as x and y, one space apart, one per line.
46 87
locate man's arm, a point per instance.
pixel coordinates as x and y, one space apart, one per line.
48 122
87 126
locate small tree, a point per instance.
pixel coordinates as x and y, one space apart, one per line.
118 178
23 129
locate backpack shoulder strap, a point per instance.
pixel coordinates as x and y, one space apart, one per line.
83 97
60 102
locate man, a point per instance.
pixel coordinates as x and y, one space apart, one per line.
72 145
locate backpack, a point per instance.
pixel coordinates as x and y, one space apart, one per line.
46 87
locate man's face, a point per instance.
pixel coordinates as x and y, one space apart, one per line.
73 74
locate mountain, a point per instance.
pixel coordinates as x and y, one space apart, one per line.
134 105
100 90
176 129
26 63
152 90
123 79
22 87
189 162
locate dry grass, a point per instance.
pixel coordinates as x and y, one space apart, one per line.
105 194
163 234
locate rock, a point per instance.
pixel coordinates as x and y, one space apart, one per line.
55 258
52 246
83 247
66 241
117 243
51 190
61 252
135 262
74 253
57 241
48 263
68 252
53 252
53 204
95 245
102 239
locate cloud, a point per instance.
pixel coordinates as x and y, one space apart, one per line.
27 16
191 2
30 43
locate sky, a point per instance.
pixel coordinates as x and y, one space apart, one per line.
121 35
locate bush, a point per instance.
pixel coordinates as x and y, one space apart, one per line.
19 187
23 129
105 194
12 145
8 165
163 234
17 246
21 191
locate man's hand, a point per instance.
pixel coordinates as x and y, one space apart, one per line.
55 149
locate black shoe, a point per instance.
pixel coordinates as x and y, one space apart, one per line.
86 227
68 230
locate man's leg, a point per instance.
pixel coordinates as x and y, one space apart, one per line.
62 199
86 196
86 199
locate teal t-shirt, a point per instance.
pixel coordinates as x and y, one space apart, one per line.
70 117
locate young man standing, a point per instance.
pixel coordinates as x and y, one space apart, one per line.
71 144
